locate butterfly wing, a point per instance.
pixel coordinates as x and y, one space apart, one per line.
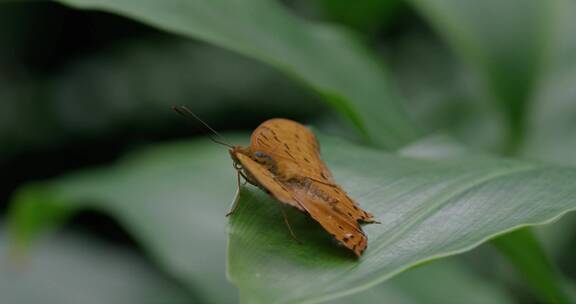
344 229
332 213
297 153
340 201
267 181
301 179
293 146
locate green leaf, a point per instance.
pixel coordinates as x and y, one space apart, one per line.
506 41
558 239
439 98
429 208
365 16
172 199
521 248
143 78
71 268
36 211
552 132
326 58
525 253
446 281
441 93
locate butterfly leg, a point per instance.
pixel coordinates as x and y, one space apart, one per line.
288 224
245 178
235 205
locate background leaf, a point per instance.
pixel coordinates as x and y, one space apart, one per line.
442 95
524 251
365 16
551 132
327 59
134 86
73 268
446 281
492 48
172 199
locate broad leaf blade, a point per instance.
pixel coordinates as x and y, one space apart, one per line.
327 59
172 199
70 269
428 209
446 281
552 130
506 41
366 16
525 253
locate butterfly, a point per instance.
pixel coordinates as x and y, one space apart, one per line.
283 160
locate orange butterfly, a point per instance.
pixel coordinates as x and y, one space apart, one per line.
283 159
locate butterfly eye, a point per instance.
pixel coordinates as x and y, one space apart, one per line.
260 154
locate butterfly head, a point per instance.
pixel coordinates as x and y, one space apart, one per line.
258 156
234 151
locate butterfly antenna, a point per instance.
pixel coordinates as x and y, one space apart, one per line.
184 111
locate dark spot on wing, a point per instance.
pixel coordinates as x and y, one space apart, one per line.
276 138
286 145
345 240
355 208
341 228
260 141
306 160
291 156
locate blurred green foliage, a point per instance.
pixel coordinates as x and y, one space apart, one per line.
85 124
